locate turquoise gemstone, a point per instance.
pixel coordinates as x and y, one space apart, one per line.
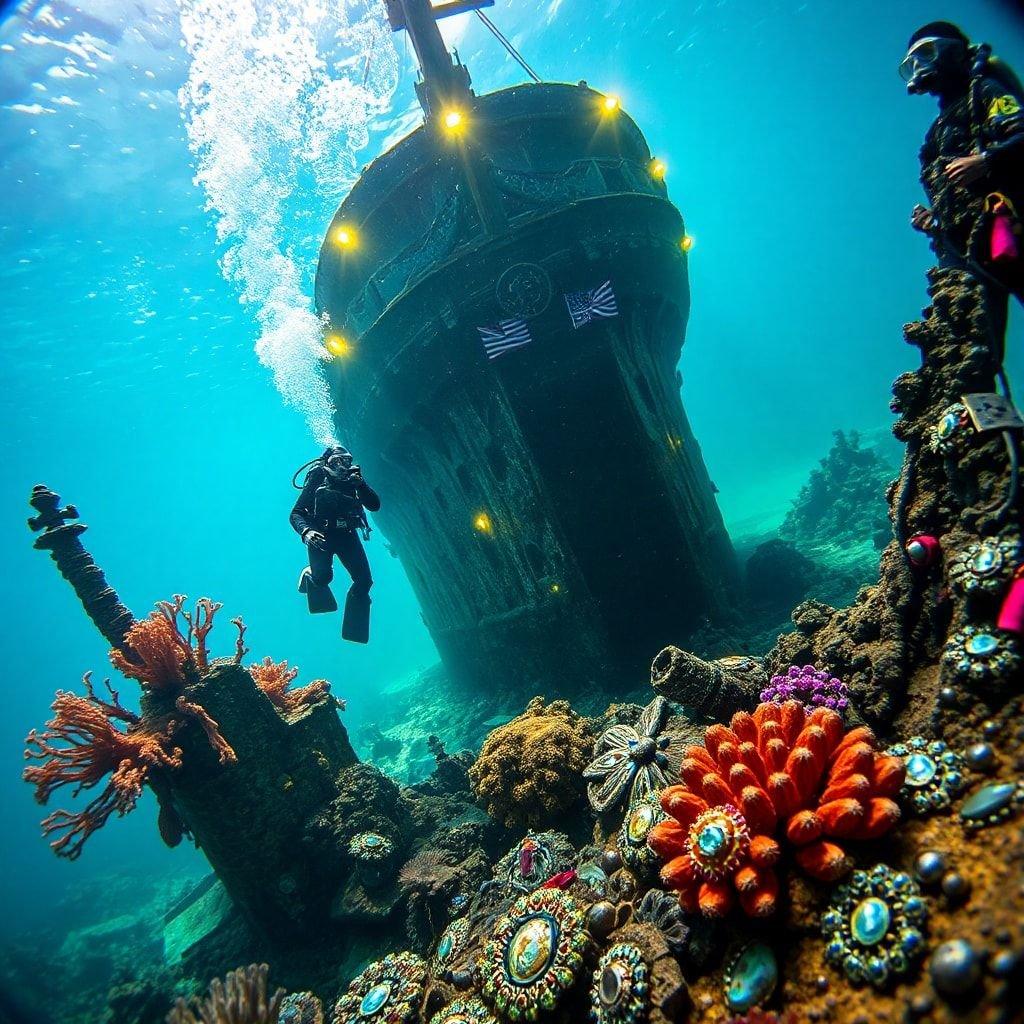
981 644
920 770
711 840
870 921
987 800
986 560
374 1000
752 978
444 948
372 840
948 424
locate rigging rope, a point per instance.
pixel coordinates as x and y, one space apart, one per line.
513 52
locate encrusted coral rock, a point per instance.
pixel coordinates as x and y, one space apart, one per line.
778 775
529 770
388 991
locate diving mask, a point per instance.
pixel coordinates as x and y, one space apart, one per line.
924 60
338 463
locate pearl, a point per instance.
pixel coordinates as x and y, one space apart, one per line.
955 886
980 756
947 695
955 967
1004 963
988 800
929 866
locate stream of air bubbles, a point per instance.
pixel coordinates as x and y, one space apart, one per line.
278 101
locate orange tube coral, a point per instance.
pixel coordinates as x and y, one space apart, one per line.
158 655
92 748
779 774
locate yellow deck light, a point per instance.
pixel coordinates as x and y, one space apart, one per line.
453 120
338 346
611 104
345 237
658 170
686 243
482 523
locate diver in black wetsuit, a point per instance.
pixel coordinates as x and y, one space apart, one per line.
972 160
327 516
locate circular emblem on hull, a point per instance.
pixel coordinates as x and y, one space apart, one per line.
523 290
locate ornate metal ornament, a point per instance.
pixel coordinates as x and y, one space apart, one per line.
935 774
370 847
950 434
629 759
534 860
534 955
621 990
717 841
986 656
387 992
985 566
873 927
451 943
465 1011
640 819
523 290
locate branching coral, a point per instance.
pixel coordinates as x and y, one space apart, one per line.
529 769
82 746
162 657
225 752
777 775
240 999
275 680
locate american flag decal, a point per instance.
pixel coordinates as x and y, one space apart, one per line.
598 302
504 336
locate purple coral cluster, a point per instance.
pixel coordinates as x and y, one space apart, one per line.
813 687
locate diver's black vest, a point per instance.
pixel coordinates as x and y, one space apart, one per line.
337 506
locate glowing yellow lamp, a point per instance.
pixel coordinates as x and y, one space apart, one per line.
453 120
338 346
482 523
686 243
658 170
556 588
345 237
611 104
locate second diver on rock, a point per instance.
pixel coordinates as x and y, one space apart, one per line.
972 162
329 515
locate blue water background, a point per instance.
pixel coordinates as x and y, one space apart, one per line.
129 384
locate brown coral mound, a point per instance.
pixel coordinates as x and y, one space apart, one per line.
530 769
778 775
240 999
82 746
275 680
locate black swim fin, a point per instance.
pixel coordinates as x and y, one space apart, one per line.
355 625
319 599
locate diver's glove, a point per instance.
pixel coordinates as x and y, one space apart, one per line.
314 538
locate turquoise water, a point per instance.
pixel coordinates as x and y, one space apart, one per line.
138 383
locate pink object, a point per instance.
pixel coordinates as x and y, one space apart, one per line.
560 881
526 852
922 550
1011 615
1003 242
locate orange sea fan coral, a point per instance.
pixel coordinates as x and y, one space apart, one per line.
275 679
92 747
777 775
162 657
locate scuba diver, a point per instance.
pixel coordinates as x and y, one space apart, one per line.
972 163
328 515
